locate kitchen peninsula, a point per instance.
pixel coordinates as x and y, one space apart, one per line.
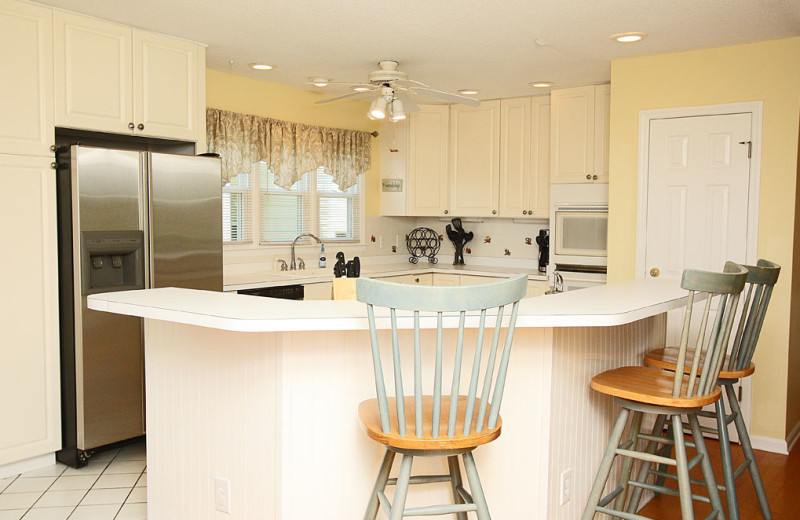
264 393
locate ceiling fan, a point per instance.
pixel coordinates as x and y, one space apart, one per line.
396 94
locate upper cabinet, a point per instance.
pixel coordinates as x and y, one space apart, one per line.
26 91
524 157
428 142
113 78
474 159
579 134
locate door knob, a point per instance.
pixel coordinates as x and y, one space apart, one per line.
654 272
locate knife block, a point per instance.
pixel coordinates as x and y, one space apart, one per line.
344 289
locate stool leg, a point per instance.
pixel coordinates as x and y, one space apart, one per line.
475 487
666 451
627 462
401 490
684 485
605 465
455 483
705 465
380 484
644 469
727 462
747 447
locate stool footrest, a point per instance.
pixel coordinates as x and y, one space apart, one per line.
422 479
666 491
621 514
672 476
439 509
649 457
741 469
611 496
465 494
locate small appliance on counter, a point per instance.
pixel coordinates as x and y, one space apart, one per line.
543 241
459 238
423 242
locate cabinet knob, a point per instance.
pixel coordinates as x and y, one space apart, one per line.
52 148
530 212
416 280
494 212
140 127
53 165
130 125
594 177
524 211
588 176
446 212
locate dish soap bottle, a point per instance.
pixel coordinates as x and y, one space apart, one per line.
323 261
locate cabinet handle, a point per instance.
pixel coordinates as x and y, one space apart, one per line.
594 177
494 212
53 165
130 125
588 176
446 212
140 127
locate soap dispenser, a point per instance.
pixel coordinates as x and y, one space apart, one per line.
323 261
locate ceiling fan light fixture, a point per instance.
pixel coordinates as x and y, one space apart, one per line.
629 37
541 84
360 88
398 114
468 92
261 66
378 108
319 82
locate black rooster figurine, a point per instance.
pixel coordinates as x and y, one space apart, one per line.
459 238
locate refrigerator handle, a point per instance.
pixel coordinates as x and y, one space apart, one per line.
146 208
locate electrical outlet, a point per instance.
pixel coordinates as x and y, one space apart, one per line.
397 242
222 494
566 486
380 241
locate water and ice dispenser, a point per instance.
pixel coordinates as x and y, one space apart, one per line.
111 261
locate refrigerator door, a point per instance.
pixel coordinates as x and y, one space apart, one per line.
185 222
106 219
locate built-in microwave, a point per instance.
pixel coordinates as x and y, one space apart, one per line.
579 226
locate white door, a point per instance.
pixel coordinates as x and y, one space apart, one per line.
697 197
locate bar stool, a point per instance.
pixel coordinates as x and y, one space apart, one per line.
669 394
433 424
761 279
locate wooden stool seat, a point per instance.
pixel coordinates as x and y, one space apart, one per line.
370 418
667 359
650 386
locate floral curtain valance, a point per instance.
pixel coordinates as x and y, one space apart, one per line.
291 149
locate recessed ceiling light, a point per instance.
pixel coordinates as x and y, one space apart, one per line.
319 82
361 88
468 91
261 66
541 84
629 37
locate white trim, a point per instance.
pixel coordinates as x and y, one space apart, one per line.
755 108
793 436
769 444
23 466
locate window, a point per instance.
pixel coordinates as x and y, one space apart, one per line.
275 215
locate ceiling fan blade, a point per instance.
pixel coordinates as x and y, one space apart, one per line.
447 96
408 105
351 94
346 84
412 82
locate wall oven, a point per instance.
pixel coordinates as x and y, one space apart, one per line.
579 227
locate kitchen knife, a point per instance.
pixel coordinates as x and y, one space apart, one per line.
350 269
356 267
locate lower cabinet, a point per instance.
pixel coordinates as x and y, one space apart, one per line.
412 279
29 357
317 291
446 280
536 288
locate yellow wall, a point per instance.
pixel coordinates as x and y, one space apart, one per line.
250 96
765 71
793 400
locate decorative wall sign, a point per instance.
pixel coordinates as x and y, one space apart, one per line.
392 185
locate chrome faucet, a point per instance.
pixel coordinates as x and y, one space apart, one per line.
558 282
293 264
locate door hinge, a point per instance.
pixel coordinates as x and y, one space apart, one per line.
749 148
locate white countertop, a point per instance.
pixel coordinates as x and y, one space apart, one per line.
602 306
274 279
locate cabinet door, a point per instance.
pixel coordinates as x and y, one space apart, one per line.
468 279
428 142
317 291
515 157
411 279
29 358
474 159
536 288
445 280
539 185
167 74
602 119
26 92
572 135
93 74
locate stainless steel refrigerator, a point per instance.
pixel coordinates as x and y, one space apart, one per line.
127 220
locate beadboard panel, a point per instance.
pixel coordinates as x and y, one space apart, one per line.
582 419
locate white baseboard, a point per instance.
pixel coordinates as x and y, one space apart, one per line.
794 435
769 444
42 461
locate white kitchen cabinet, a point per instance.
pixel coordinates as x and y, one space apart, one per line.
114 78
536 288
474 159
579 134
525 157
29 358
469 279
317 291
411 279
428 142
446 280
26 91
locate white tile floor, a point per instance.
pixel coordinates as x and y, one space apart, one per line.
113 486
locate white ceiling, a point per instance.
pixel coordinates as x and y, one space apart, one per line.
495 46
